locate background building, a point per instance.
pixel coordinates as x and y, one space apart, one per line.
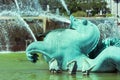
114 7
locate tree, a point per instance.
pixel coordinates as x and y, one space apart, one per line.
6 1
83 5
76 5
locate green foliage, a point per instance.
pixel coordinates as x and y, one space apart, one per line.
104 15
109 15
77 5
80 14
97 15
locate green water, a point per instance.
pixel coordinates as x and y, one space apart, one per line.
17 67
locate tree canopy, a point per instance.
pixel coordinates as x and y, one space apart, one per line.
78 5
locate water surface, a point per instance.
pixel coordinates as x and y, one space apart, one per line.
17 67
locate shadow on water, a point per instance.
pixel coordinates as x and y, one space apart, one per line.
45 75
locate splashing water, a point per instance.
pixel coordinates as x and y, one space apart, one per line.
11 18
6 37
107 27
33 8
56 17
27 7
19 20
17 6
13 25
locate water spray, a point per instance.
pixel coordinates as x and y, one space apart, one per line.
65 6
17 6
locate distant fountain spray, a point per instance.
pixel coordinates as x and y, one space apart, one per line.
32 8
12 21
65 6
29 7
17 6
22 22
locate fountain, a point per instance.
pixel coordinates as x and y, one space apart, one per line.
25 21
17 6
68 49
109 34
10 24
21 21
29 17
65 6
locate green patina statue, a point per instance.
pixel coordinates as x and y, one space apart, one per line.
68 49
